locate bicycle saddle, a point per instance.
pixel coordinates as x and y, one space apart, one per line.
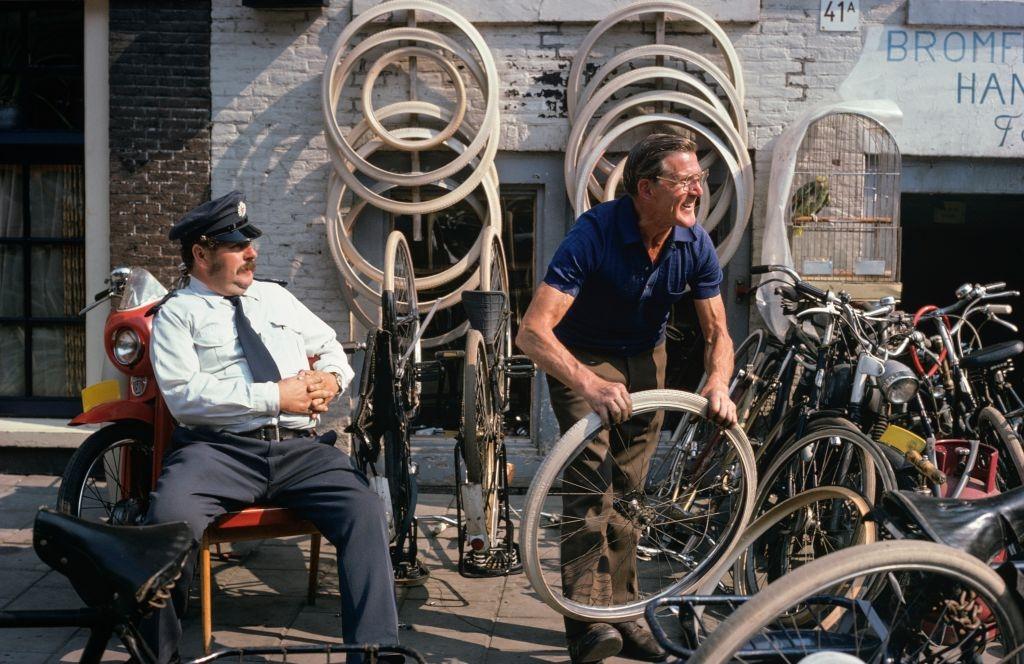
981 527
128 568
991 355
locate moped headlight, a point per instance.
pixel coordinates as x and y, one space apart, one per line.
127 348
898 382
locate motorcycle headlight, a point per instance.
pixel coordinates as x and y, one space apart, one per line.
898 382
127 347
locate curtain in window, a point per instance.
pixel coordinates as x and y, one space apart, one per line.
12 337
57 211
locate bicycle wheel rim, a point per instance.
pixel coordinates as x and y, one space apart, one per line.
885 560
674 565
108 498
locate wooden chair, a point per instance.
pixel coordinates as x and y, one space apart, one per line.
252 523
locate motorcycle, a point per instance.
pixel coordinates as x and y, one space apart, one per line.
109 476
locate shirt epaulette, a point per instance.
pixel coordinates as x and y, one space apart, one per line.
156 307
279 282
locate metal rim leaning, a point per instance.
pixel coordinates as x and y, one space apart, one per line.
585 114
672 51
380 130
489 183
711 214
404 34
654 6
487 132
706 220
741 175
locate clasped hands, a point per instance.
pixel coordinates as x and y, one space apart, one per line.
308 393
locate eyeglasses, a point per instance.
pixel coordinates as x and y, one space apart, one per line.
688 181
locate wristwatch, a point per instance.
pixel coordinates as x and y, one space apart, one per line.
337 377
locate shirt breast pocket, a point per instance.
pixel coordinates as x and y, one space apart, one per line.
215 347
283 338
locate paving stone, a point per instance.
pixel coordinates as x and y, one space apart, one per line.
20 557
15 582
21 656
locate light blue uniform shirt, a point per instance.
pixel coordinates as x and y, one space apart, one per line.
200 368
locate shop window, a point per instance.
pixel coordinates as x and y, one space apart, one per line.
42 209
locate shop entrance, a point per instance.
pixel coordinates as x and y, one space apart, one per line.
950 239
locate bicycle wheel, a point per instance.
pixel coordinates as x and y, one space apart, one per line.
828 455
400 316
994 430
673 540
937 604
109 476
719 581
495 278
808 526
481 432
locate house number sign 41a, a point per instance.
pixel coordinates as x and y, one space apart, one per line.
839 15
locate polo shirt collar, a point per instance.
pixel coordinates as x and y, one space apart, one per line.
629 229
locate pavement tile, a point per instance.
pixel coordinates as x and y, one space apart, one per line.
259 599
20 536
521 602
42 642
45 481
15 582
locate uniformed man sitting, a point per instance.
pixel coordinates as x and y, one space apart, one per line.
230 355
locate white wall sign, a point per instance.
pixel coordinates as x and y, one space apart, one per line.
961 91
839 15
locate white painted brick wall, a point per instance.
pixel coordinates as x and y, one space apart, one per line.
268 136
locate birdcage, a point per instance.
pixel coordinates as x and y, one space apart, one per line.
844 206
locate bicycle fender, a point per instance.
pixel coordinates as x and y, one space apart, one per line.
115 411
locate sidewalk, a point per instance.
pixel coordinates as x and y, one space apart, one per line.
260 599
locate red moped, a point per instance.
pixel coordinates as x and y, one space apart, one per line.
109 476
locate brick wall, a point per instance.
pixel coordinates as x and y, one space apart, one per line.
159 126
268 136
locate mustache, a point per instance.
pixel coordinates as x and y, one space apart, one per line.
248 265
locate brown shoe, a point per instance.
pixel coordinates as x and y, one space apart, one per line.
638 643
598 640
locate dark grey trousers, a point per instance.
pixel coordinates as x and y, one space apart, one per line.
208 473
598 547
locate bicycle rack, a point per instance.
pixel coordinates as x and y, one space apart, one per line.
500 558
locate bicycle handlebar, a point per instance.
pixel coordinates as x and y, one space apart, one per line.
798 283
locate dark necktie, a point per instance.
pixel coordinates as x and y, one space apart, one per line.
261 364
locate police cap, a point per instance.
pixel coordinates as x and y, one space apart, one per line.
223 219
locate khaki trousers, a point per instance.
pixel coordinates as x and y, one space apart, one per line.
598 545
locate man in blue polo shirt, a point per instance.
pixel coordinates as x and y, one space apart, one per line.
596 327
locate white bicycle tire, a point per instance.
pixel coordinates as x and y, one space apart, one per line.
565 449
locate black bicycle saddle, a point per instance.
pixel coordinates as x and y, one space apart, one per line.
981 527
128 568
992 355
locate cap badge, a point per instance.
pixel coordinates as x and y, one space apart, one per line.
241 208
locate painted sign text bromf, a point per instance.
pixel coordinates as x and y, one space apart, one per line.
961 91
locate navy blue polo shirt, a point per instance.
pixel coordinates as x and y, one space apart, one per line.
622 300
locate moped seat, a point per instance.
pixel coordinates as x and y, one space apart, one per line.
981 527
127 568
992 355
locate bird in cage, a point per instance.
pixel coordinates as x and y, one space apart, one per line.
810 198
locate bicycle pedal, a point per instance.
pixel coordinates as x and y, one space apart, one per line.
428 371
449 355
519 366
